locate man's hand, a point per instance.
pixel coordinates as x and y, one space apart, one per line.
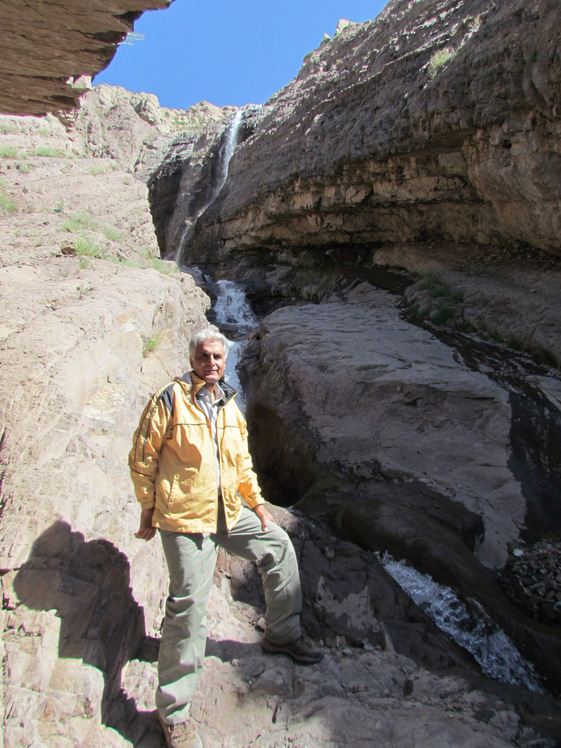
264 515
146 531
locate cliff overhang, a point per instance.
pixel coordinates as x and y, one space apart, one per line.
46 45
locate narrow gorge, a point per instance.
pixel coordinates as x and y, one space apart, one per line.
391 219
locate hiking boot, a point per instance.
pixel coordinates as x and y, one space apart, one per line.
181 735
298 650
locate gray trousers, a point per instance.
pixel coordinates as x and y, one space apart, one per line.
191 559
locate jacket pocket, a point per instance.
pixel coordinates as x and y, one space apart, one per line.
181 486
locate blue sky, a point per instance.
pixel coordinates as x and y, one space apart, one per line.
226 51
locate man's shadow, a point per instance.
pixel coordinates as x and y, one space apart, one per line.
101 623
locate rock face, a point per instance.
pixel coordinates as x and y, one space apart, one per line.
93 322
391 438
45 45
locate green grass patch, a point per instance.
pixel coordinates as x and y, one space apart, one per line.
165 267
78 222
110 232
95 170
8 205
49 152
8 151
439 60
132 263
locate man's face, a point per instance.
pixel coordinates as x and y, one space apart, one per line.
209 361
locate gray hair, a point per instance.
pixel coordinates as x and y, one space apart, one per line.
207 333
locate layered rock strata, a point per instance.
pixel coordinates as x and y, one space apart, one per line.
384 140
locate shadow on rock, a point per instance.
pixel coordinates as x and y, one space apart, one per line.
431 547
101 623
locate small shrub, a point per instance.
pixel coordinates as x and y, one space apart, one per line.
95 170
152 343
24 168
433 299
442 313
438 289
86 246
83 290
415 310
439 59
515 344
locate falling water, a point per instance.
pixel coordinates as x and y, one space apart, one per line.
234 317
472 630
225 153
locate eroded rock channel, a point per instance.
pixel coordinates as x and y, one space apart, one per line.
409 439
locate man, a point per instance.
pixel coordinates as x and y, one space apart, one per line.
190 464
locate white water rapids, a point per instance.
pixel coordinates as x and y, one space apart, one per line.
233 313
472 630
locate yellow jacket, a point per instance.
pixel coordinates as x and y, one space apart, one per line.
172 460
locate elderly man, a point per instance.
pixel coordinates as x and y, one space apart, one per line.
190 465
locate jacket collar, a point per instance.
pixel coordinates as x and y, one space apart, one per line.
196 383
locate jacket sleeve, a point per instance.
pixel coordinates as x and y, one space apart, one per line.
249 486
147 443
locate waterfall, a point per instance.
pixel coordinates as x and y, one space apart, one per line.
231 308
471 629
225 153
